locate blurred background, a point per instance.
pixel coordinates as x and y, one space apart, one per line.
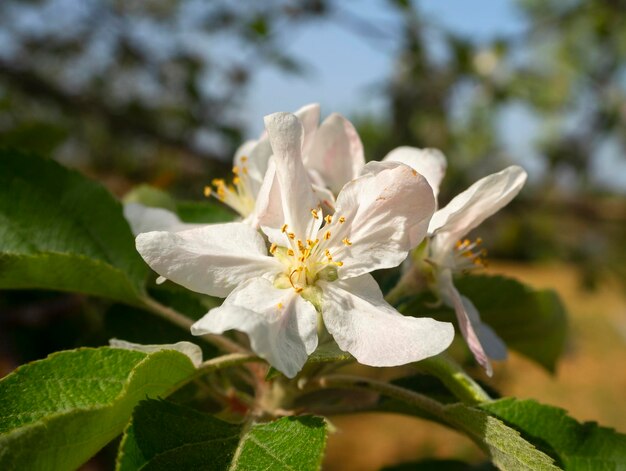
163 91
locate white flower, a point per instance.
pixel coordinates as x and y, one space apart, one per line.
448 253
316 269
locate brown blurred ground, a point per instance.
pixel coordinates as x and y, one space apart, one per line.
590 381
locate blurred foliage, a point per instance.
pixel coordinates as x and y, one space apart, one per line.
138 88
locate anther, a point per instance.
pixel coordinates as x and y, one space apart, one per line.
207 191
290 252
339 264
291 235
236 170
346 241
273 248
236 180
342 220
280 305
327 235
284 228
328 219
314 213
244 159
414 172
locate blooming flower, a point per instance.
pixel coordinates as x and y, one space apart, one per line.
448 253
317 267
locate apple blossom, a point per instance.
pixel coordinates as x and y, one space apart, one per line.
315 274
448 253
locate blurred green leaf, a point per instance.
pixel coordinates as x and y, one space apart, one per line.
58 412
576 446
61 231
164 436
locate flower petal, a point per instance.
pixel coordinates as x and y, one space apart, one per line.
309 116
336 153
145 219
254 156
362 323
282 326
296 195
482 341
212 259
386 212
471 207
431 163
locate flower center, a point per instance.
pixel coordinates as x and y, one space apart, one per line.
239 194
309 260
468 256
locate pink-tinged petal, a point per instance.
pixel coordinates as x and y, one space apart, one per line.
282 326
363 324
481 339
336 153
431 163
212 259
146 219
386 213
471 207
309 116
296 195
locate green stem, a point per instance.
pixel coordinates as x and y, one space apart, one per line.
419 401
184 322
454 378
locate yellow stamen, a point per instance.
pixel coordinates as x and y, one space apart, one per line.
273 248
327 235
339 264
284 228
291 235
236 170
207 191
346 241
236 180
314 213
342 220
328 219
280 305
290 252
244 159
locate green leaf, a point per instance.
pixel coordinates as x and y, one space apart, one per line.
58 412
164 436
507 449
576 446
532 322
61 231
207 211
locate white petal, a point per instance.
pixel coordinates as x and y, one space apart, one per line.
363 324
296 195
387 210
471 207
145 219
481 339
336 153
282 326
187 348
309 116
212 259
431 163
